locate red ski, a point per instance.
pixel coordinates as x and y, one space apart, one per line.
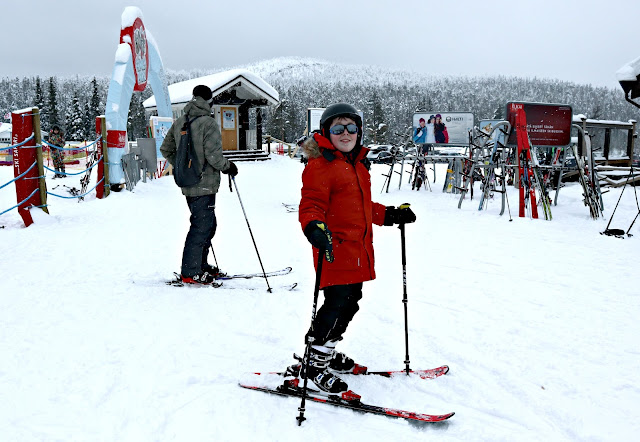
431 373
347 400
527 190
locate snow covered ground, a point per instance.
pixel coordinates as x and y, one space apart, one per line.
538 320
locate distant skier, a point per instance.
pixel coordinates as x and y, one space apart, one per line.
201 197
336 214
56 138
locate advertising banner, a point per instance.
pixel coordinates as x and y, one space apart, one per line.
24 157
159 129
487 126
547 124
136 37
449 128
99 154
313 119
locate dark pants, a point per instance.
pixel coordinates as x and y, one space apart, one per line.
340 305
203 227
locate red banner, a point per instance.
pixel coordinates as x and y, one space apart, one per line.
99 154
117 139
24 157
136 37
547 124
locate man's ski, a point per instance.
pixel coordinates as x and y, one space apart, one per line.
280 272
177 282
288 287
350 400
431 373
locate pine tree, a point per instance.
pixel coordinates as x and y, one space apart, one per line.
498 114
39 103
92 107
75 127
136 122
53 103
278 119
375 127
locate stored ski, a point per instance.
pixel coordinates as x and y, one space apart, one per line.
359 370
356 405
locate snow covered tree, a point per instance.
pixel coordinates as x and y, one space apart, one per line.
92 110
39 103
136 122
52 104
75 127
278 119
498 113
376 127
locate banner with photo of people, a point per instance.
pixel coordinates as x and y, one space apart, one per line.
442 128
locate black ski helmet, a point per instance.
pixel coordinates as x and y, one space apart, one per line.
340 110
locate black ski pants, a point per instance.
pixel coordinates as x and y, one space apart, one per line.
203 227
339 307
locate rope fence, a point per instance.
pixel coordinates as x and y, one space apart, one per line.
30 170
19 144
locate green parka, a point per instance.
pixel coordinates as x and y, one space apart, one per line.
207 142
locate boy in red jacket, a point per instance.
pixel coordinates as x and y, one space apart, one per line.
336 214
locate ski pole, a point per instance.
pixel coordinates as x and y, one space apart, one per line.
506 195
251 233
214 255
307 352
404 296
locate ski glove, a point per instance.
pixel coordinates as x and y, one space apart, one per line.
320 237
232 170
400 215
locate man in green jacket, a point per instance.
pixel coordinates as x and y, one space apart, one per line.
201 197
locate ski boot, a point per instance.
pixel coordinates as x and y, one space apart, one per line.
341 363
213 270
319 373
203 278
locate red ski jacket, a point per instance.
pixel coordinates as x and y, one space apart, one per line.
338 192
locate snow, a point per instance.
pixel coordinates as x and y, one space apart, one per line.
538 320
182 92
129 16
123 54
630 71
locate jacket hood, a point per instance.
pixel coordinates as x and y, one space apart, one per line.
196 107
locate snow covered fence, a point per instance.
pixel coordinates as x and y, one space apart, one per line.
29 169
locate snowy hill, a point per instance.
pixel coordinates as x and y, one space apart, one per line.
538 320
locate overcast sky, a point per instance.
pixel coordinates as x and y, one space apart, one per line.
583 41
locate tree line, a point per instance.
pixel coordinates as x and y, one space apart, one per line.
388 98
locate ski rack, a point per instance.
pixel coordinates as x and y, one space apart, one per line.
589 180
418 173
397 156
488 156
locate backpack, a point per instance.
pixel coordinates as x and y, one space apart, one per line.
187 171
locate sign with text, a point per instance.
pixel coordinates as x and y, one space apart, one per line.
136 36
547 124
450 128
24 162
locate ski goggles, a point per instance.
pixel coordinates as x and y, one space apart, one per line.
340 128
